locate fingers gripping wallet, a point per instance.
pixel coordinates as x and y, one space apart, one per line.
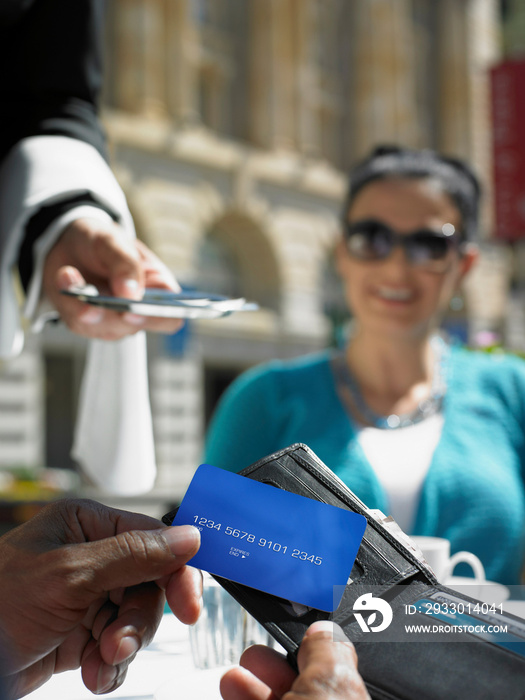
436 644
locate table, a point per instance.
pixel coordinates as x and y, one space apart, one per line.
164 670
166 663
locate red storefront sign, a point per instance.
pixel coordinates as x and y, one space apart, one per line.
508 138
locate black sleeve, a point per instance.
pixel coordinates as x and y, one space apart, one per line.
51 76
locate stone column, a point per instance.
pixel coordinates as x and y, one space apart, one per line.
467 47
307 131
484 53
181 60
273 73
259 73
139 54
155 46
383 101
455 103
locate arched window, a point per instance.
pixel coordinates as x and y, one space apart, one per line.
236 259
218 269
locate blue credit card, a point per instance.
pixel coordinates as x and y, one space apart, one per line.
269 539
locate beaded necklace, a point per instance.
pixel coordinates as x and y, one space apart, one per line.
425 408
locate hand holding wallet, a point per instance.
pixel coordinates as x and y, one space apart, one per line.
396 664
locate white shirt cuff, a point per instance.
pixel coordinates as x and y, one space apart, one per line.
38 308
39 171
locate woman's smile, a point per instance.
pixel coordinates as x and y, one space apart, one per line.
397 295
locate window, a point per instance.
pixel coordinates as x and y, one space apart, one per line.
59 410
216 381
218 270
425 23
329 34
222 27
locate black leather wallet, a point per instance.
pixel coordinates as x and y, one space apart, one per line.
395 664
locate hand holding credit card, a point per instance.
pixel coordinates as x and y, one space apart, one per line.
281 543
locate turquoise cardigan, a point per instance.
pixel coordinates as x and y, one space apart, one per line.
474 491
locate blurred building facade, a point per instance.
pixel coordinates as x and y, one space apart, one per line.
231 125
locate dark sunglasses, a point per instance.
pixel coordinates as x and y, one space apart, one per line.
373 240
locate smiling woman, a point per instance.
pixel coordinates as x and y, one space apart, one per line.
427 432
402 257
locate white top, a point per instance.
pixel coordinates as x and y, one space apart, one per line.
401 459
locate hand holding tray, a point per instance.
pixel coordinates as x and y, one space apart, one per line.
165 303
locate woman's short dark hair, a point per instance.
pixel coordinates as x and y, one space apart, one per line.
455 176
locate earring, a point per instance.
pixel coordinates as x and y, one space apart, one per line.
456 303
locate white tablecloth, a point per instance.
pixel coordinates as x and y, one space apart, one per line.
162 671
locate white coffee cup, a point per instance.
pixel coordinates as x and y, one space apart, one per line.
436 551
